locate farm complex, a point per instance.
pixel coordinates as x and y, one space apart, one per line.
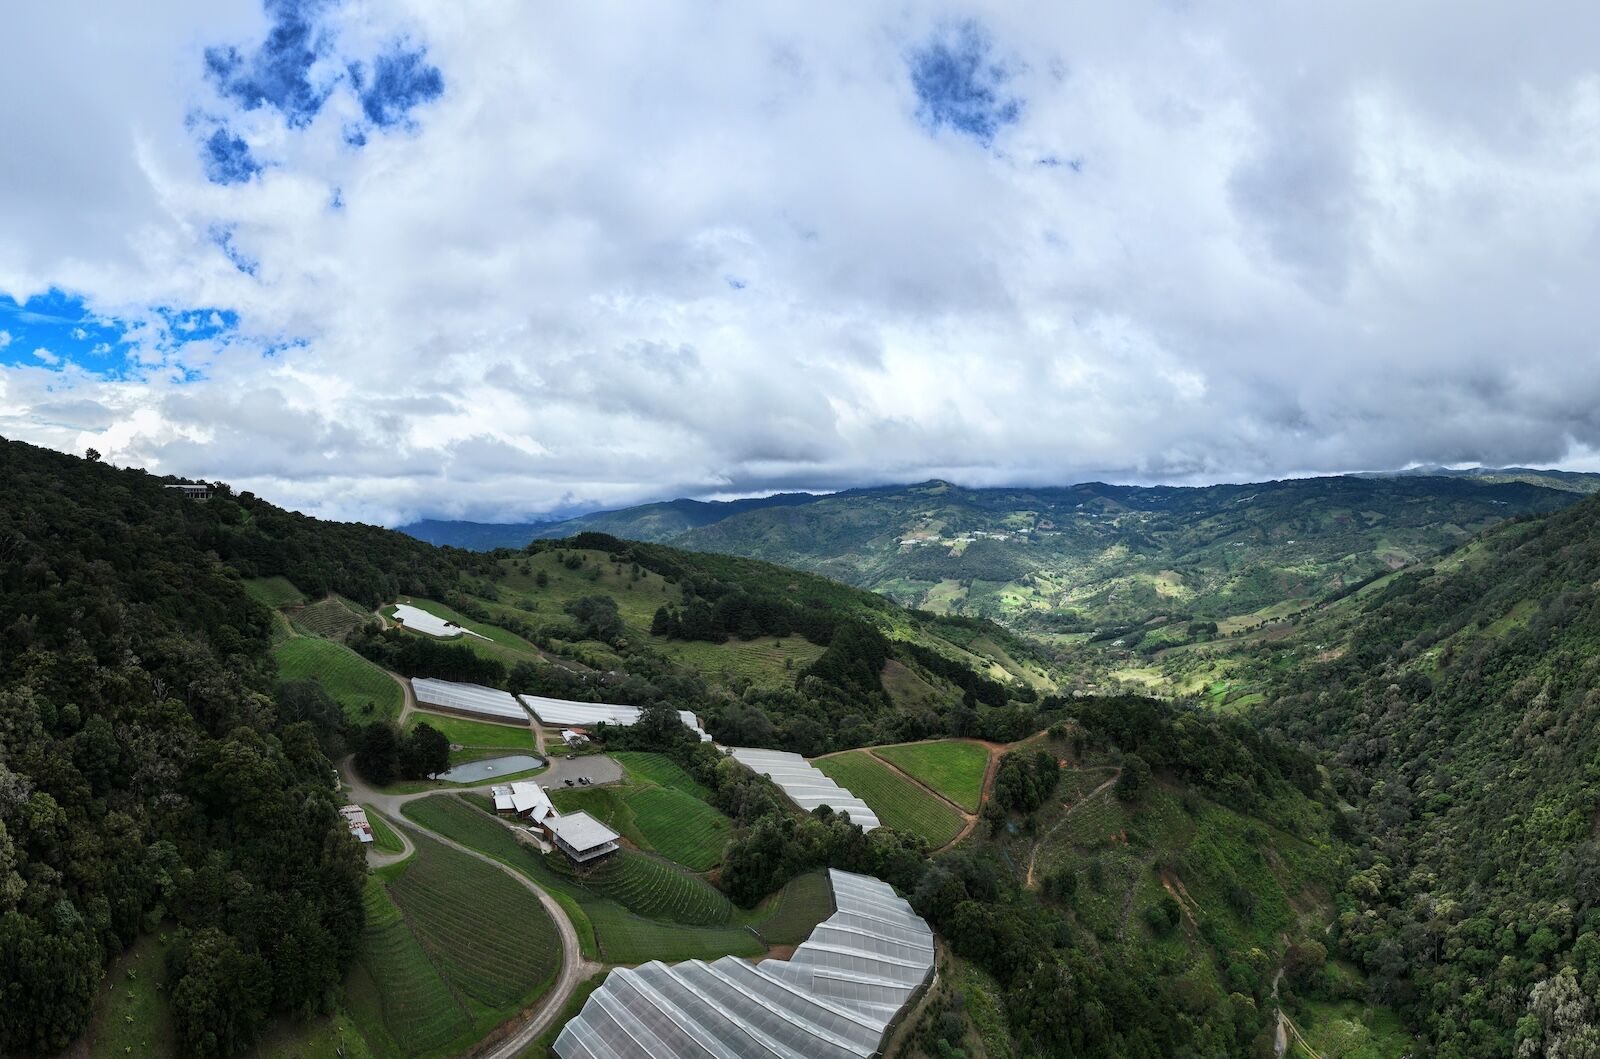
836 998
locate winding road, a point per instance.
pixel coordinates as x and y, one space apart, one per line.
574 968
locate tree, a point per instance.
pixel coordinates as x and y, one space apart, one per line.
92 455
598 617
219 994
662 622
378 752
425 752
1135 778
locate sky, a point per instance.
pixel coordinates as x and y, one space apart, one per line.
500 260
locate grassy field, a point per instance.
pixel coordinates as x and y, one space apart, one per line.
130 1012
349 679
453 947
899 803
790 915
478 739
384 838
765 661
950 766
275 592
610 931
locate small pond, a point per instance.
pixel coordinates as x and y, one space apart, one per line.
491 768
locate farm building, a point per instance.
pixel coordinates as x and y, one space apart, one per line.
805 784
565 713
580 836
837 997
474 699
574 737
360 827
193 492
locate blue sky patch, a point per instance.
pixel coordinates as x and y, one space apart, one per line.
399 81
960 86
278 72
56 330
228 158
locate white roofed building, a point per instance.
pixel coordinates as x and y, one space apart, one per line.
837 997
581 837
473 699
564 713
805 784
355 818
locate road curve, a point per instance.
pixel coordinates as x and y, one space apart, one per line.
574 969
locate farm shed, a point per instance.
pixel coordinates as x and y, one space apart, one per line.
355 818
563 713
474 699
837 997
805 784
580 836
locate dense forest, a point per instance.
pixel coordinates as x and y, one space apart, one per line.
148 774
1462 718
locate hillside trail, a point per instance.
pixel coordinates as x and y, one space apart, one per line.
1079 804
574 968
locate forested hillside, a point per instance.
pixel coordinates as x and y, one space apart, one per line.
147 775
1461 717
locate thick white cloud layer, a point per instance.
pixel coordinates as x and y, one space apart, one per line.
635 251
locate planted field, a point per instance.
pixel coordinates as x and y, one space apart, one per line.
610 931
352 681
651 887
331 619
899 803
397 994
659 808
486 931
384 838
765 660
275 592
679 826
950 766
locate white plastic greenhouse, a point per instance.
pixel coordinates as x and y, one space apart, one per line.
805 784
836 998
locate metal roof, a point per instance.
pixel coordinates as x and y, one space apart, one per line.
469 698
805 784
581 831
566 713
834 999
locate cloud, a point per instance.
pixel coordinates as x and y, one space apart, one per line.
5 339
567 257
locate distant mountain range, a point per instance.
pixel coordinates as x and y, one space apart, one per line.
1087 556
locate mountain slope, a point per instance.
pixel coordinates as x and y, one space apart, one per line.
1095 557
1459 708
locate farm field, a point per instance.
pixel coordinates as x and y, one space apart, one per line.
350 680
765 660
332 619
609 931
899 803
478 739
659 808
453 946
651 887
275 592
790 915
1351 1030
384 838
952 767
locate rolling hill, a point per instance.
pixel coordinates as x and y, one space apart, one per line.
1096 558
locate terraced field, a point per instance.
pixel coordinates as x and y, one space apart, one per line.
953 767
452 947
331 619
384 839
349 679
899 803
651 887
